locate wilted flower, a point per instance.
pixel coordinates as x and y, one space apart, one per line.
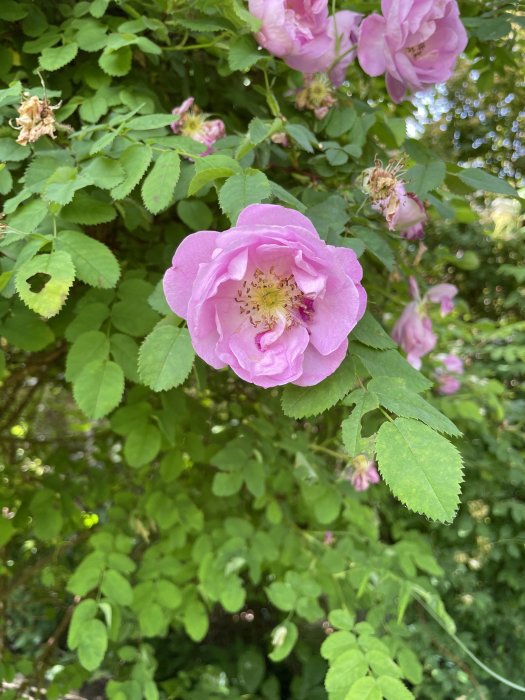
415 42
281 138
303 34
478 509
364 473
413 330
329 538
195 124
35 119
315 95
267 297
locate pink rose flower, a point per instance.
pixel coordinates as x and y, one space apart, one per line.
193 123
443 294
413 330
267 297
414 233
447 376
401 209
413 333
415 42
364 473
305 37
295 30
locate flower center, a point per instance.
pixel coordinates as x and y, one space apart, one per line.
192 124
269 296
417 50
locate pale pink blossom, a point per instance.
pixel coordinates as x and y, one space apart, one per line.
414 233
303 34
443 294
453 363
364 473
267 297
448 375
415 42
195 124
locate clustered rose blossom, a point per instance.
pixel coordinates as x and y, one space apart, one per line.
267 297
413 330
403 211
193 123
448 375
306 37
35 119
364 473
415 42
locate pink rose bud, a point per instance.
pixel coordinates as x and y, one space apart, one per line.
401 209
267 297
364 473
415 42
443 294
413 333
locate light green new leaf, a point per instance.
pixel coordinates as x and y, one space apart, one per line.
241 190
196 620
93 644
63 184
166 357
115 587
422 468
55 272
116 62
284 638
159 185
301 402
396 397
98 388
135 161
346 670
94 262
364 689
394 689
84 611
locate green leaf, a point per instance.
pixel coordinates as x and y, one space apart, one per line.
150 121
381 663
92 346
382 363
346 670
301 402
423 178
133 317
336 644
364 689
86 610
125 352
376 244
95 264
135 161
168 595
421 467
93 645
212 168
63 184
25 330
196 620
89 209
282 595
241 190
152 620
394 689
243 53
54 274
302 136
225 485
479 179
98 388
104 172
195 214
284 638
395 396
365 401
115 587
89 318
142 447
10 150
159 185
166 358
52 59
370 332
251 669
116 62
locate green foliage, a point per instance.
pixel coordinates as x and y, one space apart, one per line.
164 526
